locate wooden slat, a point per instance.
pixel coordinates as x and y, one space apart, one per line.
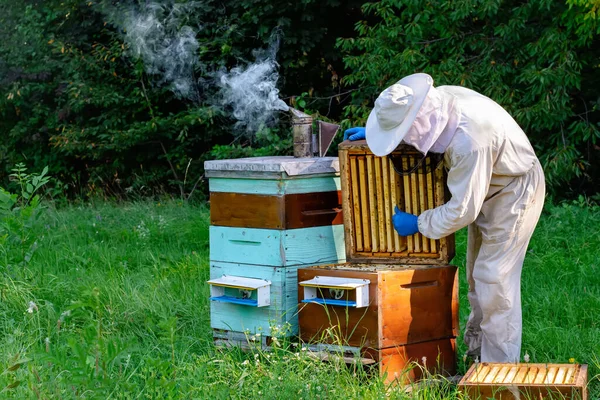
482 372
326 356
422 178
356 204
569 376
347 206
380 204
394 195
400 197
291 211
438 187
560 375
539 378
372 205
415 202
492 375
275 187
501 375
512 373
551 375
530 377
389 229
364 207
407 204
540 381
430 199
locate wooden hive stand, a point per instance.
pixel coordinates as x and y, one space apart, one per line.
507 381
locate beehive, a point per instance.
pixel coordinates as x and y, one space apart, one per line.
395 302
535 381
372 186
269 217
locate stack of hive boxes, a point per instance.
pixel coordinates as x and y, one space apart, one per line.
269 216
396 300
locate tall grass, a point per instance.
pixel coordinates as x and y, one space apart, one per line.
114 305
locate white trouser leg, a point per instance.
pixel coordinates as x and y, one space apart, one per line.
507 222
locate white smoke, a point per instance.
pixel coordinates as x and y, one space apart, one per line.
251 93
161 36
156 34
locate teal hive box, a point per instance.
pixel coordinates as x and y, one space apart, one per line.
269 217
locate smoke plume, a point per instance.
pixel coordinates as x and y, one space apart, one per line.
162 36
158 35
250 91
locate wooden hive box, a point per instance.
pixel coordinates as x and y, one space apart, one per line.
391 316
533 381
269 216
372 187
404 305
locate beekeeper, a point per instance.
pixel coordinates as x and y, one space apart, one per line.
497 187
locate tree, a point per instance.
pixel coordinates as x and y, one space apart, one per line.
538 59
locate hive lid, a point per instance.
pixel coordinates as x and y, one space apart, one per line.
335 282
275 166
239 282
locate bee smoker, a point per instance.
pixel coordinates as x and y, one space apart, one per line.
307 143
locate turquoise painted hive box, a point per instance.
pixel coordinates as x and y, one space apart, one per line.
269 217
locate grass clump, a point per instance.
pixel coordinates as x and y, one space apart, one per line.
114 304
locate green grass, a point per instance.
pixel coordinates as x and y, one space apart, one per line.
122 312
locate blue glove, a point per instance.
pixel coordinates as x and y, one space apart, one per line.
356 133
405 224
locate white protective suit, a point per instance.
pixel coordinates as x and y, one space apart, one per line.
497 187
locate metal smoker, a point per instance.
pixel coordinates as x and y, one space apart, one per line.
309 144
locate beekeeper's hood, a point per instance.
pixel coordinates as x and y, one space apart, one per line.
415 112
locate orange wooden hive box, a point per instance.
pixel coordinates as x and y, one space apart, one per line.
532 381
384 314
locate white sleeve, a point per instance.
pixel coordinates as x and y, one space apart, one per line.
469 179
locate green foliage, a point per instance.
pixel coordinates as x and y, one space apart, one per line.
19 216
538 59
72 95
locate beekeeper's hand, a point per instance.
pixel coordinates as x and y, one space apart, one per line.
404 223
356 133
